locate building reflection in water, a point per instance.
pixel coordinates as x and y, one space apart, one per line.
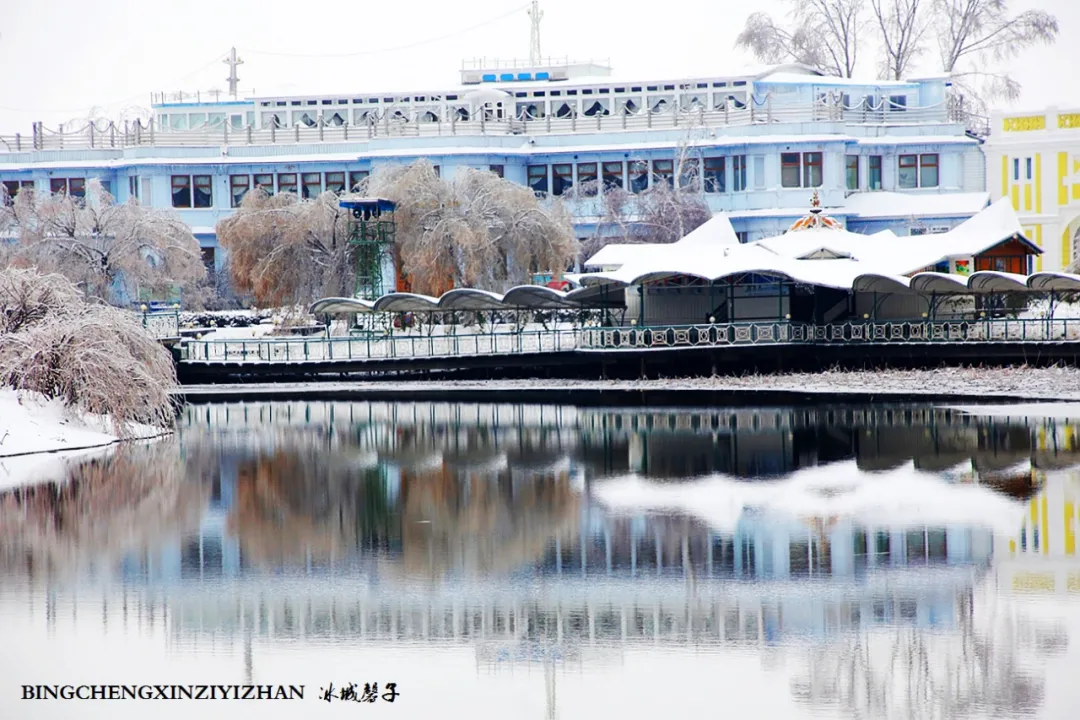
449 523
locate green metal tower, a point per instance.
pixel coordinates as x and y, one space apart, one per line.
371 231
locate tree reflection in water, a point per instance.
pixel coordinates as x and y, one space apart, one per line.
135 498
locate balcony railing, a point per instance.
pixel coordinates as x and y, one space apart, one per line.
755 112
163 325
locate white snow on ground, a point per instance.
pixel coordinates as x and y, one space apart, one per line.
896 499
1057 383
38 437
239 333
1058 410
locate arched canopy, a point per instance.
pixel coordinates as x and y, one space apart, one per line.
536 296
1054 282
992 281
341 305
405 302
872 282
940 283
470 299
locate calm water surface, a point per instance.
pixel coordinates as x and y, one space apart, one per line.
498 561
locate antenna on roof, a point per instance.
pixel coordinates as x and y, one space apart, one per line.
535 14
233 62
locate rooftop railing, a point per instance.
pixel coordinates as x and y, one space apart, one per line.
732 114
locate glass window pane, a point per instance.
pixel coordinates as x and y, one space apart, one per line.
714 175
203 196
181 191
873 180
587 179
562 178
852 172
928 170
311 185
238 187
335 182
613 174
355 178
286 182
789 170
690 175
908 172
638 176
812 176
265 183
538 179
738 172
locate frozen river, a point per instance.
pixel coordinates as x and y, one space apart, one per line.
504 560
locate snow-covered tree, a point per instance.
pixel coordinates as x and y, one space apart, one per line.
100 245
283 249
474 230
823 34
93 357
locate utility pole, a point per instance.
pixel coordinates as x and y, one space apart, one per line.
535 14
233 62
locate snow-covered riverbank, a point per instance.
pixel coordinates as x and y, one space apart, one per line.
39 437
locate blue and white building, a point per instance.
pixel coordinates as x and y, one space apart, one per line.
881 154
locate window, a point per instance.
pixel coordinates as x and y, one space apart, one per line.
898 103
917 171
851 171
1029 168
13 187
181 191
75 187
265 183
562 178
613 175
714 175
133 186
743 236
928 170
437 170
498 170
789 170
286 183
807 165
310 185
812 169
638 176
208 258
690 175
664 172
355 178
738 172
538 180
586 178
106 187
759 172
238 187
873 180
909 171
335 182
1016 168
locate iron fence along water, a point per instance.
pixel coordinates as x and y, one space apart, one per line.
332 350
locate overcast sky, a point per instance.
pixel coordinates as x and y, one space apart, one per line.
63 56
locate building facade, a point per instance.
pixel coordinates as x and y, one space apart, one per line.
1034 159
883 154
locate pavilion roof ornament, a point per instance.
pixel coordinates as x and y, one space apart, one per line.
815 218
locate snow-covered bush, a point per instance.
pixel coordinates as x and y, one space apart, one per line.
94 357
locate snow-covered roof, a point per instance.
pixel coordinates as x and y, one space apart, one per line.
789 77
820 256
869 205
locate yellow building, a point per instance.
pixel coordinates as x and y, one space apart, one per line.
1034 159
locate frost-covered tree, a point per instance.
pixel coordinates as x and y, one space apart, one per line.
474 230
823 34
902 27
93 357
974 36
100 245
283 249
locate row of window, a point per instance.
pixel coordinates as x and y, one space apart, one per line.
520 93
797 170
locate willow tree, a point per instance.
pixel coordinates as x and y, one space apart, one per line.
475 230
284 250
103 246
